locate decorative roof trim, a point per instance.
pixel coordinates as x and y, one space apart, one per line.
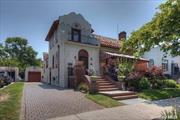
54 27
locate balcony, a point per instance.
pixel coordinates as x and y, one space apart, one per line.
90 40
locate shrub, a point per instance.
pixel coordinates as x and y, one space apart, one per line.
125 68
83 87
93 78
170 83
132 80
121 78
144 83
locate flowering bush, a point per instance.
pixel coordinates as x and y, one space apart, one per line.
132 80
155 76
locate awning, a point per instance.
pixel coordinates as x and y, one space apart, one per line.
122 55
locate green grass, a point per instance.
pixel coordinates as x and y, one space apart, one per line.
10 108
157 94
103 100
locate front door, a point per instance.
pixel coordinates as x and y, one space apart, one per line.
83 56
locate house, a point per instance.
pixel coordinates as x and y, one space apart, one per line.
12 72
170 64
71 40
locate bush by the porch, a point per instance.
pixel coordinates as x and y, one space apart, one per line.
169 83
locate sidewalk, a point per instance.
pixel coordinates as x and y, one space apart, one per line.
142 111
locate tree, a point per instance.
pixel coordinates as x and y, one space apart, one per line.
163 30
18 53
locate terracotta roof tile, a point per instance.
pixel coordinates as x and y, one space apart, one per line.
108 42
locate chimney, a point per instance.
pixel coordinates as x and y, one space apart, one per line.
122 35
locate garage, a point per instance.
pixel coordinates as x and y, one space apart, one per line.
34 77
33 74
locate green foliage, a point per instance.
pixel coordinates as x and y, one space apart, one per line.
93 78
162 30
170 83
83 87
174 114
144 83
157 94
103 100
10 109
17 52
125 68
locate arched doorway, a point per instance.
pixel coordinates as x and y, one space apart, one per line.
83 56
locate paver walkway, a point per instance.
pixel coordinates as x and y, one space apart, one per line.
42 101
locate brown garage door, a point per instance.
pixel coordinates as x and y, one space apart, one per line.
34 77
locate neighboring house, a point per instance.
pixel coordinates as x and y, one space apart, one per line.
33 74
12 72
71 40
170 64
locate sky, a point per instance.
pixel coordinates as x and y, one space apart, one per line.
31 19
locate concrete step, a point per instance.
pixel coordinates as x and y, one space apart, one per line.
99 77
125 97
102 82
108 89
106 83
106 86
119 94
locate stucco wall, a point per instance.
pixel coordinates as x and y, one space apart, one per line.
156 54
71 56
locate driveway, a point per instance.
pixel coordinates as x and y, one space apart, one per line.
41 101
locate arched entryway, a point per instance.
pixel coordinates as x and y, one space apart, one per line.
83 56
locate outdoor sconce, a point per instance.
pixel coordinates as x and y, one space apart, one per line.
91 58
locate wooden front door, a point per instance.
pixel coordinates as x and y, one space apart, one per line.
83 56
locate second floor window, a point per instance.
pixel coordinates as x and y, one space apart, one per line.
76 35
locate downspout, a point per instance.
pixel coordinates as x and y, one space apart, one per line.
58 64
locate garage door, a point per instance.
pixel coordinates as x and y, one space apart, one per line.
34 77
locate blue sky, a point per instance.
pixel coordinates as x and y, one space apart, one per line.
32 19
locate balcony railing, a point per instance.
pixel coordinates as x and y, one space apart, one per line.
91 40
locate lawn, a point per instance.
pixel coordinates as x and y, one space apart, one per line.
103 100
157 94
11 104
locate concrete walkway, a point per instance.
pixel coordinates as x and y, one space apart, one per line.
136 110
141 111
41 102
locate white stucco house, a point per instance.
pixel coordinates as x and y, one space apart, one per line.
71 39
170 64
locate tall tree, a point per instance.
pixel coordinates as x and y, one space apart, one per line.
163 30
19 53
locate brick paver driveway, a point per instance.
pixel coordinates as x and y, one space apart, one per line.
42 101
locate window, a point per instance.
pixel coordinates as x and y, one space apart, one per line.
53 62
165 64
151 63
57 59
76 35
47 63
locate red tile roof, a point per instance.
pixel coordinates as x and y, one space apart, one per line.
108 42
